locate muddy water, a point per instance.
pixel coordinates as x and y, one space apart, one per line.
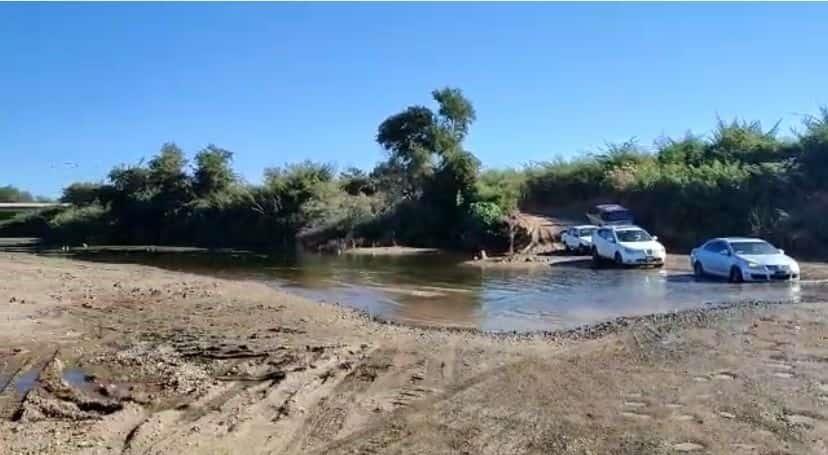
436 290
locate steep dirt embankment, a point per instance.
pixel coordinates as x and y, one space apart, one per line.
124 359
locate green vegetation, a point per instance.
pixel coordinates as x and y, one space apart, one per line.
430 191
743 180
423 194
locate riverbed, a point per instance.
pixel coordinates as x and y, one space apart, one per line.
440 289
106 358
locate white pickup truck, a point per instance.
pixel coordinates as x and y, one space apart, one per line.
578 239
626 245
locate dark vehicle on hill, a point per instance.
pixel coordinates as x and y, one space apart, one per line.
610 214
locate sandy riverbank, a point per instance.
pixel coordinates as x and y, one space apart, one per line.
390 251
676 263
134 359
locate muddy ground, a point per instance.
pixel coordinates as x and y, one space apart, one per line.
126 359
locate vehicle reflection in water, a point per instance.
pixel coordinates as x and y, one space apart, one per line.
435 290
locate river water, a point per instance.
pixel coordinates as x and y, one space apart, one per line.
437 290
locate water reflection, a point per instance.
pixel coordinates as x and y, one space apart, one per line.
436 290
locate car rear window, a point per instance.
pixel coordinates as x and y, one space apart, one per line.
585 232
617 215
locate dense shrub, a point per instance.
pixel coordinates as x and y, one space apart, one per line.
503 187
741 181
88 224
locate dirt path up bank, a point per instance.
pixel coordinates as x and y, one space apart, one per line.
123 359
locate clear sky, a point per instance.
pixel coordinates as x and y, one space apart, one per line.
96 85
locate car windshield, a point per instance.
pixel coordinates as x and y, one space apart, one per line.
585 232
633 235
753 248
617 215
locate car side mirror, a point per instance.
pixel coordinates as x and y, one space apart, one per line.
725 252
781 251
655 237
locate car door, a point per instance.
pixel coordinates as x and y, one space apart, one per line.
568 238
598 241
717 262
704 256
607 239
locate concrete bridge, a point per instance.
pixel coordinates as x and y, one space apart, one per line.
29 206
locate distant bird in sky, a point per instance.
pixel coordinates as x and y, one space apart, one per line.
71 164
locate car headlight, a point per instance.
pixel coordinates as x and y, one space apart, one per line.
754 265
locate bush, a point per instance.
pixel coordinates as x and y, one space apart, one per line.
503 187
28 224
485 227
89 224
82 193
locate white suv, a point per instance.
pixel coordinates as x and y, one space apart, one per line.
626 245
578 238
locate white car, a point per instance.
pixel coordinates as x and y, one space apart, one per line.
743 259
578 238
627 245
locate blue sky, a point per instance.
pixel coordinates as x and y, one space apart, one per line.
103 84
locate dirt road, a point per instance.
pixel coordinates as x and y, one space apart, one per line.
135 360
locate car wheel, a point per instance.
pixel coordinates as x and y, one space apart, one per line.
597 260
698 270
736 275
619 261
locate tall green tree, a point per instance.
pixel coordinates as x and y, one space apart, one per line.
82 193
419 141
409 138
168 177
456 113
427 158
213 172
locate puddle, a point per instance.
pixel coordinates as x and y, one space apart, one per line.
26 381
75 377
88 384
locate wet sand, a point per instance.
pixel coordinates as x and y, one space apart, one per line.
128 359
